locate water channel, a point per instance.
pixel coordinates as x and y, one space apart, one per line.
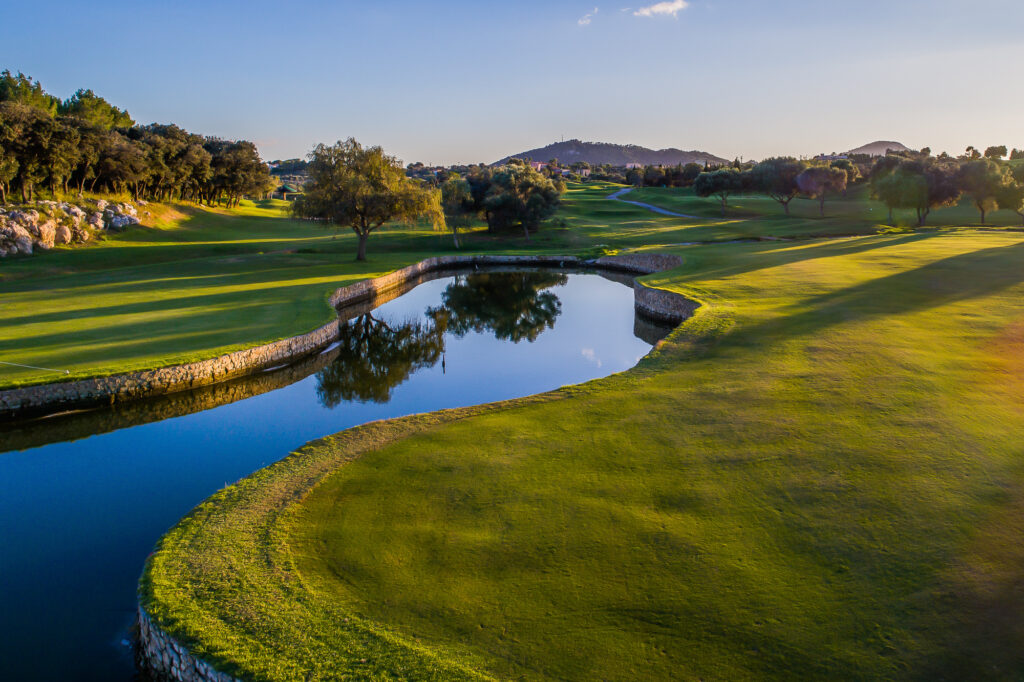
84 496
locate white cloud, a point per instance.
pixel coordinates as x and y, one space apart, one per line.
669 8
591 356
586 18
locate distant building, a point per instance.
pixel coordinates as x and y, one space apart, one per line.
287 192
831 157
634 165
584 172
538 166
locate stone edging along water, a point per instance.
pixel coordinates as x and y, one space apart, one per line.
29 401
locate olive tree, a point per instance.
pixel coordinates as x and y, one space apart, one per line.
457 203
720 183
362 188
981 180
776 177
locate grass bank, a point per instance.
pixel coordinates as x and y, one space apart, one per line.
819 475
193 283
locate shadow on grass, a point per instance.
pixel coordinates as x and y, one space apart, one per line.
772 254
957 278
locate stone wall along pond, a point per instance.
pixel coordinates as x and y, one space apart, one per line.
43 399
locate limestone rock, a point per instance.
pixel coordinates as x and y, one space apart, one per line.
101 204
62 235
119 222
15 238
45 233
96 220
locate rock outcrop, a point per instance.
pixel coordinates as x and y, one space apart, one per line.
23 230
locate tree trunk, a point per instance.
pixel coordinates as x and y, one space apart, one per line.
785 205
526 230
982 215
455 237
361 251
821 205
723 205
890 217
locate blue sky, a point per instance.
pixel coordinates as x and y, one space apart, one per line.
461 81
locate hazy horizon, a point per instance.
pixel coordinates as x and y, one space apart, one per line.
468 83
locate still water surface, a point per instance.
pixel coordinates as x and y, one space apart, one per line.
84 497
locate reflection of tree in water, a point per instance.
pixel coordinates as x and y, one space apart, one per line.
513 305
374 357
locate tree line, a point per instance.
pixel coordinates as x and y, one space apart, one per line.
914 181
85 143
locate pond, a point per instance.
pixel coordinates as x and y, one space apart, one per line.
84 496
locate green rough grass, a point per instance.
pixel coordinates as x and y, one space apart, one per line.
196 282
818 476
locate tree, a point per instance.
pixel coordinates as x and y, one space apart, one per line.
457 204
519 194
654 176
90 107
981 179
776 177
24 90
995 153
817 181
8 169
852 171
1011 194
919 184
25 133
970 154
62 153
362 188
720 183
1017 155
898 189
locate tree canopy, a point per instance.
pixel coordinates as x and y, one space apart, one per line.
817 181
776 177
363 188
87 142
721 183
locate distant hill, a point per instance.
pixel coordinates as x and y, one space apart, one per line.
880 148
596 153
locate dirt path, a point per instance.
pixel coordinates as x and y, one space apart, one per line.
617 196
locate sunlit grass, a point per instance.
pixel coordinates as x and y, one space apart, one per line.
817 476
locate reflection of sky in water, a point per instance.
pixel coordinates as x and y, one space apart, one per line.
78 518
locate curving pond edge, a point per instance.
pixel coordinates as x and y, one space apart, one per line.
30 401
163 657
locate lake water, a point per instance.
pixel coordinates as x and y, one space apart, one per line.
84 497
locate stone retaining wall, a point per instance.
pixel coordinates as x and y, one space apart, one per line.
42 399
161 657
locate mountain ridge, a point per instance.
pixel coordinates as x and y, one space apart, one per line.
597 153
879 148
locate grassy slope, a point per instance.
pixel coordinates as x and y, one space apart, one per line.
196 283
817 476
199 282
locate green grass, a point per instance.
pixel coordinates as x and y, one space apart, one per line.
196 282
818 476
